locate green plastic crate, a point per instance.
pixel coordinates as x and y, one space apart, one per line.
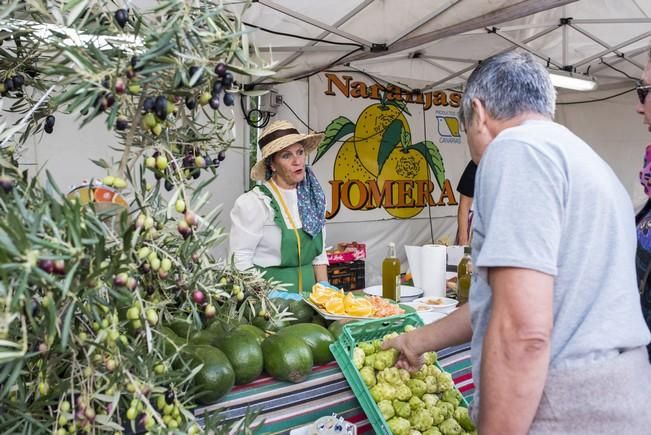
343 348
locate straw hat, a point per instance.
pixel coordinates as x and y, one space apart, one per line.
278 136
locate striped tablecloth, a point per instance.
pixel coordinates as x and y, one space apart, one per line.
284 406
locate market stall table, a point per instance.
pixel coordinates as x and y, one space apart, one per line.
286 406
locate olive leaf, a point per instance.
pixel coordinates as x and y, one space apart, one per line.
432 155
390 138
338 128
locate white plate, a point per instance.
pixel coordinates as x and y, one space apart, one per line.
418 307
444 304
450 275
406 291
431 316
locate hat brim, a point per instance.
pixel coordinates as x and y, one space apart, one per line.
310 143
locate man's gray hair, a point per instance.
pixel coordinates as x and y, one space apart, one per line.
508 85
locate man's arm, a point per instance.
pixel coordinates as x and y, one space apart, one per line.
515 354
449 331
463 213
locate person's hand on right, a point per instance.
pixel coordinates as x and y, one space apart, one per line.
409 359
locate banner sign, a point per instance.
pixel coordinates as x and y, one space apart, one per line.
386 152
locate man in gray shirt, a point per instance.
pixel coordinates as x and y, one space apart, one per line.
554 314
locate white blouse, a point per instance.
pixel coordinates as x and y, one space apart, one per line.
255 238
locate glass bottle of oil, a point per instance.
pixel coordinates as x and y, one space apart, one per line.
464 276
391 275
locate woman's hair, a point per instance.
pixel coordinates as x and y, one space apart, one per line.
267 167
508 85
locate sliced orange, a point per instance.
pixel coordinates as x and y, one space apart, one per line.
319 298
349 301
335 306
360 308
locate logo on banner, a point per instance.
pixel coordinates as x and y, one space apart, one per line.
448 127
378 164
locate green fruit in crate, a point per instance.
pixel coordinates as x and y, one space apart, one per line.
287 358
254 331
215 378
244 353
302 311
316 336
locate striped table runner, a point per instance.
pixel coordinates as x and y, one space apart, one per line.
284 406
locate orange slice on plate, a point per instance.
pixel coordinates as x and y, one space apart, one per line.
335 306
360 308
319 298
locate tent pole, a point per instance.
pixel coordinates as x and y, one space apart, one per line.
614 48
471 67
315 23
338 23
605 45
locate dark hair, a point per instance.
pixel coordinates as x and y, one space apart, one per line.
267 167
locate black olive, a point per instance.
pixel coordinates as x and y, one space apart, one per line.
9 84
190 102
220 69
121 124
214 102
148 104
229 99
18 80
228 79
122 16
49 121
161 106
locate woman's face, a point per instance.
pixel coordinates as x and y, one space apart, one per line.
288 166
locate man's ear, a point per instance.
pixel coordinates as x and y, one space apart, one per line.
480 116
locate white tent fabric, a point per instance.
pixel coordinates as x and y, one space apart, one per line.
434 41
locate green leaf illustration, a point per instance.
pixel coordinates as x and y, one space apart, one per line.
400 105
338 128
431 152
405 139
390 138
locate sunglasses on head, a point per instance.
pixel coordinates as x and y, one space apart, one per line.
642 91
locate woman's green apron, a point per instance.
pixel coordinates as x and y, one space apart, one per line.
288 270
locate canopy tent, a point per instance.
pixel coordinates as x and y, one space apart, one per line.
434 46
425 45
438 43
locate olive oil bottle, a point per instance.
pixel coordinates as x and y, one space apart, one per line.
391 275
464 276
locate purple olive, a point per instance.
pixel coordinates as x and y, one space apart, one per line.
214 102
46 266
6 183
220 69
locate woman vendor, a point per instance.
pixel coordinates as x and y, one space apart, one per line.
278 226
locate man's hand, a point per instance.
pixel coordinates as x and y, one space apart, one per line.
409 359
449 331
